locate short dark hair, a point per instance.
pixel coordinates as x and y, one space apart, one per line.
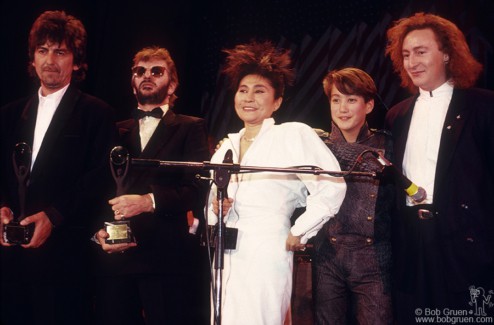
350 81
58 27
260 58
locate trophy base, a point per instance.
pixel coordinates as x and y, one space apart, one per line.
15 234
119 232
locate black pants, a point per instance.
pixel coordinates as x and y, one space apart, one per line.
144 299
45 303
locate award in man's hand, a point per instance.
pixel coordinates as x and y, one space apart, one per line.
14 232
119 231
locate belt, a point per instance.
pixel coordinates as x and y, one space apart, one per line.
422 211
351 240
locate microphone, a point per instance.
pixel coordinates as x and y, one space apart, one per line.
415 192
222 177
228 159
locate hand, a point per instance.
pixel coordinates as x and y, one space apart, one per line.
293 243
6 216
127 206
227 204
101 235
42 229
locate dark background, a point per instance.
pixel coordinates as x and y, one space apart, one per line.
321 35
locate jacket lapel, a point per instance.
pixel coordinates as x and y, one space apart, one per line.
404 127
57 124
453 126
134 140
160 138
28 122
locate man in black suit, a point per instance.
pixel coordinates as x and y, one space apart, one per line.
444 142
150 280
44 281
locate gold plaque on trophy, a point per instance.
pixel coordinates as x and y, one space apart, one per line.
119 232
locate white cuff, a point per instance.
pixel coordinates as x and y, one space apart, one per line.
152 199
193 226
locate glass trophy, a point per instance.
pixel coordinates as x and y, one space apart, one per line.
119 231
14 232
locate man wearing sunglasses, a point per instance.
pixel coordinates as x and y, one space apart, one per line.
149 280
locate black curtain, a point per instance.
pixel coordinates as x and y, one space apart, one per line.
321 34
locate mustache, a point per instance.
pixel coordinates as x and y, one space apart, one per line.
50 69
144 82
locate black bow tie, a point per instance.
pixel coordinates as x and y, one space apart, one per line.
156 112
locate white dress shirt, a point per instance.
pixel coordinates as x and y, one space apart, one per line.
147 126
46 109
424 137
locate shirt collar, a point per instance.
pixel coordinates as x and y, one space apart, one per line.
56 96
446 89
164 108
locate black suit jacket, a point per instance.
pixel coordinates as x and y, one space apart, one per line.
163 240
67 179
463 190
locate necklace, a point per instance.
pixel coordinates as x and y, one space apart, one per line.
248 139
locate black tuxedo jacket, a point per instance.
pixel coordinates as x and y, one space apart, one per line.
163 240
464 188
67 179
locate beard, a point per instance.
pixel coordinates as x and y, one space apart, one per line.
156 97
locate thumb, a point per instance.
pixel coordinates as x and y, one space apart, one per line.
26 221
102 234
6 215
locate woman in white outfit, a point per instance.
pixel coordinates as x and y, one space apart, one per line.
257 275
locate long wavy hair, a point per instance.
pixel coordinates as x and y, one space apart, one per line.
463 69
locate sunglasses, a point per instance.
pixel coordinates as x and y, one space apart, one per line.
156 71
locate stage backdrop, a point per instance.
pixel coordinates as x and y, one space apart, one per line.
321 35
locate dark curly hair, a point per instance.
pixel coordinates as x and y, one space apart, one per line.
259 58
58 27
462 67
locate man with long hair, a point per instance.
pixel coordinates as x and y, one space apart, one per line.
444 142
45 280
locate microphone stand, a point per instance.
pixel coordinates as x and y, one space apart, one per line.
236 168
221 179
222 174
